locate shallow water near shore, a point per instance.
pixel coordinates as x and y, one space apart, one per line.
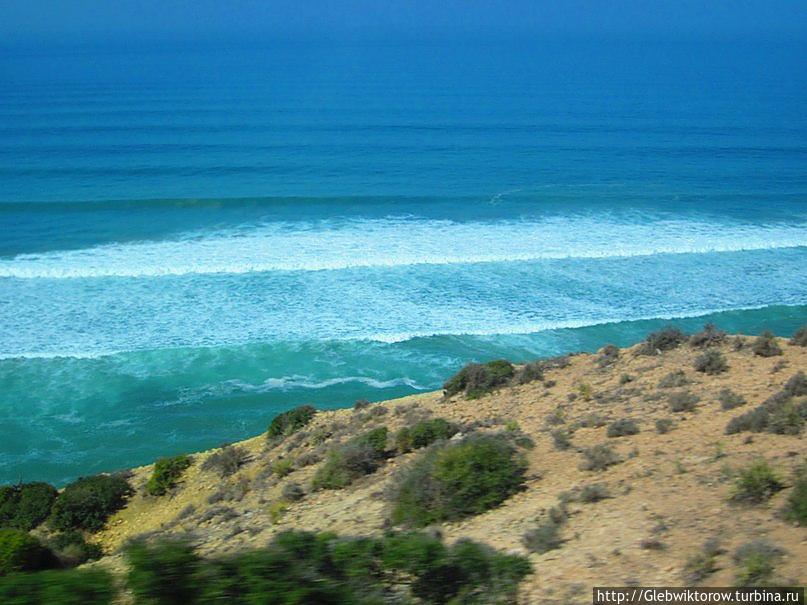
196 240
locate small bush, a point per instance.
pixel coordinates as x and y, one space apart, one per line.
609 355
20 551
599 458
562 438
701 565
710 336
73 587
293 492
756 483
622 427
276 510
546 536
458 480
26 505
711 362
729 399
593 492
674 379
290 421
664 340
72 549
757 561
477 379
423 434
683 401
346 463
765 345
664 425
282 467
796 507
530 372
88 502
800 337
166 474
361 404
625 379
226 461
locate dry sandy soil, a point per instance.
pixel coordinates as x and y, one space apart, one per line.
670 493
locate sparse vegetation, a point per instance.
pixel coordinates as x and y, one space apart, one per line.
166 474
796 507
423 434
291 421
226 461
710 336
609 355
546 536
729 399
585 391
664 340
477 379
622 427
599 458
562 438
756 483
682 401
346 463
800 337
765 345
26 505
89 501
702 564
457 480
712 362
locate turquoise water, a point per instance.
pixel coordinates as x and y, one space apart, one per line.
195 240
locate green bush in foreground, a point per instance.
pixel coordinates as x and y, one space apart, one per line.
458 480
26 505
88 502
72 587
167 472
344 464
20 551
477 379
291 421
301 567
423 434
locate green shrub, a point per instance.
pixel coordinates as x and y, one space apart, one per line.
622 427
88 502
72 549
282 467
664 340
674 379
458 480
19 551
166 474
423 434
26 505
291 421
796 507
710 336
800 337
756 483
682 401
729 399
163 573
599 458
757 562
664 425
226 461
477 379
361 455
765 345
72 587
711 362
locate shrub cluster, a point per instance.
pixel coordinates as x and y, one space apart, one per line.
344 464
477 379
599 457
664 340
73 587
710 336
458 480
20 551
291 421
89 501
765 345
682 401
800 337
622 427
756 483
779 414
26 505
166 474
712 362
796 507
225 461
424 433
757 562
546 536
302 567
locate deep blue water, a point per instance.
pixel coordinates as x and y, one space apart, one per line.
193 240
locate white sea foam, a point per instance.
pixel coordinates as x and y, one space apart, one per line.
401 242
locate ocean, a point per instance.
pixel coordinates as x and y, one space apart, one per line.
192 240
